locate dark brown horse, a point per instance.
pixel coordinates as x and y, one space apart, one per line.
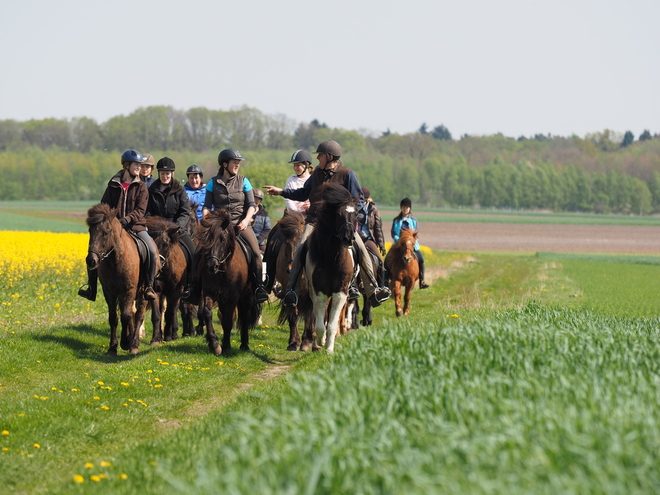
224 272
280 250
402 265
172 276
329 262
114 254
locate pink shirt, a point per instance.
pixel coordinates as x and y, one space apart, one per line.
295 182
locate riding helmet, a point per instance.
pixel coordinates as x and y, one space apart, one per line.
366 193
149 160
405 202
229 154
330 147
195 169
258 193
165 164
301 156
131 156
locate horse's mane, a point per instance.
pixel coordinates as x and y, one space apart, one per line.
158 226
333 197
290 224
216 225
404 236
100 213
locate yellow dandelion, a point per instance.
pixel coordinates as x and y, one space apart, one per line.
5 449
159 385
123 476
36 445
5 432
89 465
97 398
95 477
103 476
125 384
105 408
78 479
100 383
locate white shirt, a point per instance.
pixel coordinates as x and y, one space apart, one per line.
295 182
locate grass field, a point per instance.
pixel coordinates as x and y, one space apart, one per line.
513 374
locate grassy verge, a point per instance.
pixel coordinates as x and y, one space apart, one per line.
503 379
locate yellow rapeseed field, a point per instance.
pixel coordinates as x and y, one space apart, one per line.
29 254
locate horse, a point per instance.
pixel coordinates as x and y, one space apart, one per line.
114 254
329 262
367 319
224 272
172 277
280 249
402 265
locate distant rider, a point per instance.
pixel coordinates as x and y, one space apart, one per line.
406 221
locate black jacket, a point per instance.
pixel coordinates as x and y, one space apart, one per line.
171 203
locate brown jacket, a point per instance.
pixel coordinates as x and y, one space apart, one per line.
131 205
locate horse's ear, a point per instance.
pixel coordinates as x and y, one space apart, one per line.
415 234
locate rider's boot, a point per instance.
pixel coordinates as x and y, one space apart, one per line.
380 295
149 292
353 292
193 293
422 284
92 282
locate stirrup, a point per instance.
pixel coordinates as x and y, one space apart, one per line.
385 294
290 299
353 293
150 294
260 294
185 293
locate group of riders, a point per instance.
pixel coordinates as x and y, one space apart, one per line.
136 195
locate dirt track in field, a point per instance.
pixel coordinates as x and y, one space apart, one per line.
534 238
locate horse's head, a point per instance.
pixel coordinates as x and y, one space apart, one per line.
338 212
104 232
164 232
217 240
407 241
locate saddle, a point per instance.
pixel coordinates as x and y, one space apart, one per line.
143 251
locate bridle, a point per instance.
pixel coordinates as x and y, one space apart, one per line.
104 255
220 261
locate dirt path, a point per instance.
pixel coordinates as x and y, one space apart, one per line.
533 238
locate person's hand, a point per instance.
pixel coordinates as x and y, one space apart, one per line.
382 251
272 190
242 225
124 222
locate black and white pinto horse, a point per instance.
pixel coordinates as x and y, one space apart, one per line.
329 261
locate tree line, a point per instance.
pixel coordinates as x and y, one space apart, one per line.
602 172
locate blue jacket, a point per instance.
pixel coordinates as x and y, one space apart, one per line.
404 223
197 196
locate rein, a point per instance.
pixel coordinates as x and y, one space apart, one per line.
104 255
220 262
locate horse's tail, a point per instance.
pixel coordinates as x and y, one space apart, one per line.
249 316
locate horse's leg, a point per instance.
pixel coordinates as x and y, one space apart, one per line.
406 298
294 335
187 319
205 314
396 290
366 312
113 320
337 306
156 321
244 309
130 340
171 323
320 303
308 340
226 317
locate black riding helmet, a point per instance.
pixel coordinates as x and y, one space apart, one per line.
229 154
131 156
405 202
329 147
301 156
195 169
165 164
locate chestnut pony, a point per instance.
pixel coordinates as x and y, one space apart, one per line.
224 272
113 252
401 263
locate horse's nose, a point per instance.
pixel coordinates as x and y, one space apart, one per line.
92 260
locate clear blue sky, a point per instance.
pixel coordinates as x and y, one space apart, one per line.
476 66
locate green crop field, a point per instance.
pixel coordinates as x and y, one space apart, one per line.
513 374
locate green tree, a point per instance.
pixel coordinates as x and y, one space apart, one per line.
628 139
441 132
645 136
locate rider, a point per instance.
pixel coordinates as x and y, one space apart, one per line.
233 191
302 162
329 169
169 200
195 188
370 228
146 169
260 221
403 221
128 194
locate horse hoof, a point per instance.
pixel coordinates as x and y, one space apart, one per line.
217 351
124 346
406 313
293 347
134 351
112 351
399 313
306 347
245 347
155 343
